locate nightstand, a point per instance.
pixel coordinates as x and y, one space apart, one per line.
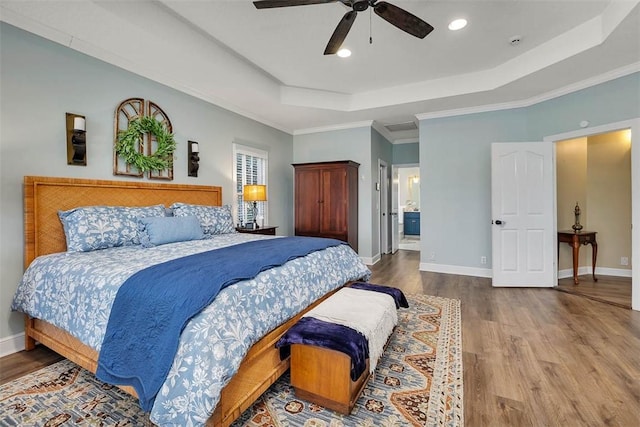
269 230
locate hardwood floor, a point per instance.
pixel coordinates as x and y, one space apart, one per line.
608 289
18 364
532 357
535 357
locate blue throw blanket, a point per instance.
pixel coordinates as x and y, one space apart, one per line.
155 304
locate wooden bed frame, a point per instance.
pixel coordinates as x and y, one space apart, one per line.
43 234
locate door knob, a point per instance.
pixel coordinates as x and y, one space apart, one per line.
498 222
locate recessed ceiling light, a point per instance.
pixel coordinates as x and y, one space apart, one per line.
344 53
458 24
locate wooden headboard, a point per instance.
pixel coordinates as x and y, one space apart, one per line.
45 196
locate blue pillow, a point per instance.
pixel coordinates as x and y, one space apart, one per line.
99 227
213 219
169 229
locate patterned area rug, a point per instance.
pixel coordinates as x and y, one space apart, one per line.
418 382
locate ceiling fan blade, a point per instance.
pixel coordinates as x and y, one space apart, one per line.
402 19
268 4
340 33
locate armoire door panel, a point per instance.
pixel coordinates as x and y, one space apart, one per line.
333 203
307 214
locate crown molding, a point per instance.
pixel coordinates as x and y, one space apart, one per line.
382 131
406 141
342 126
584 84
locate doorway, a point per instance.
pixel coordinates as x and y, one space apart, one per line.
593 191
634 126
406 206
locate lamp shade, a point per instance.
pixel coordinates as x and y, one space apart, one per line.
79 123
254 193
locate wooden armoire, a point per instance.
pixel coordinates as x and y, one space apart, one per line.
326 200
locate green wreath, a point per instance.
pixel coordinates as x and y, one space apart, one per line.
127 146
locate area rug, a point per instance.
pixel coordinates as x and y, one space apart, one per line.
418 382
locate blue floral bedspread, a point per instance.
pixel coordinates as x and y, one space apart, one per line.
75 291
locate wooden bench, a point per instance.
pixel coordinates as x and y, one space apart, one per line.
323 375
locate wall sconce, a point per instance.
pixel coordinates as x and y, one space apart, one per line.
76 140
193 158
254 193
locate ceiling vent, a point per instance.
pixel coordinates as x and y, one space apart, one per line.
401 127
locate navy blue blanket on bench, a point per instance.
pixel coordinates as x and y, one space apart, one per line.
312 331
153 306
395 293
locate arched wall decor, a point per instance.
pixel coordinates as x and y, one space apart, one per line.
129 110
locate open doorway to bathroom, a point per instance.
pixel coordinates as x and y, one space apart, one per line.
406 202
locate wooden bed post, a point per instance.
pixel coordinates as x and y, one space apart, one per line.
29 342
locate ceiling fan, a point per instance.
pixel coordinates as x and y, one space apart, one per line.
393 14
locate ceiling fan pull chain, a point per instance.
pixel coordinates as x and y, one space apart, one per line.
370 37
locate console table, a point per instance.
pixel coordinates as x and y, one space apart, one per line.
575 240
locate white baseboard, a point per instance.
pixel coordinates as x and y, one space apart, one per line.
487 272
371 260
456 269
600 271
11 344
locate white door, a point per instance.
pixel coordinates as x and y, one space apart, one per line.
522 214
394 210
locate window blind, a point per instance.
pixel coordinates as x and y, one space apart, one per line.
250 168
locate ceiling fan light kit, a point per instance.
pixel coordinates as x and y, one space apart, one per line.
396 16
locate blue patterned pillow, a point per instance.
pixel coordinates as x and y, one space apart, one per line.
213 219
100 227
169 229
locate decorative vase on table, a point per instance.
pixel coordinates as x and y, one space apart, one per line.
577 226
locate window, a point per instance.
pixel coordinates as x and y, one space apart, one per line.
250 168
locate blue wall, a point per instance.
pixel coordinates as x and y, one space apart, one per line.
40 81
608 102
404 154
455 163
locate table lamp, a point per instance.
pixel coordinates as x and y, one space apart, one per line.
255 193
